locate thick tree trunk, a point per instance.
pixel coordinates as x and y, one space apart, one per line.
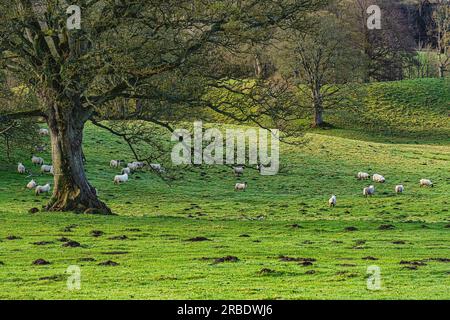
318 116
441 71
318 107
72 191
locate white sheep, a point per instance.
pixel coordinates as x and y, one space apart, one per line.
139 164
157 167
332 201
369 191
115 163
39 148
121 178
43 132
363 176
132 166
37 160
240 186
46 169
42 189
238 171
21 168
426 183
126 170
378 178
31 185
399 188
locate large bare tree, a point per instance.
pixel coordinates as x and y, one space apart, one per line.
156 59
324 63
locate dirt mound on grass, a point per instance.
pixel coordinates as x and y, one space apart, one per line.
198 239
40 262
108 263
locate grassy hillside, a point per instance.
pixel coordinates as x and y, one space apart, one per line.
412 111
152 238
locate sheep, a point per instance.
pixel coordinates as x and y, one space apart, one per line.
239 170
363 176
31 185
157 167
332 202
115 163
126 170
21 168
37 160
132 166
39 148
43 132
240 186
378 178
139 164
121 178
42 189
369 191
135 165
426 183
399 188
46 169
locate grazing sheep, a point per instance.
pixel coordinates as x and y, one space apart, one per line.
39 148
37 160
126 170
157 167
132 166
240 186
369 191
42 189
332 202
43 132
363 176
31 185
378 178
21 168
115 163
139 164
239 170
121 178
399 188
46 169
426 183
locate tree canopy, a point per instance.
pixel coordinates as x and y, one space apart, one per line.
150 60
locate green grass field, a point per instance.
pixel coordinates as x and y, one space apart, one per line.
407 236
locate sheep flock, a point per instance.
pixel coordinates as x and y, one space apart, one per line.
238 171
